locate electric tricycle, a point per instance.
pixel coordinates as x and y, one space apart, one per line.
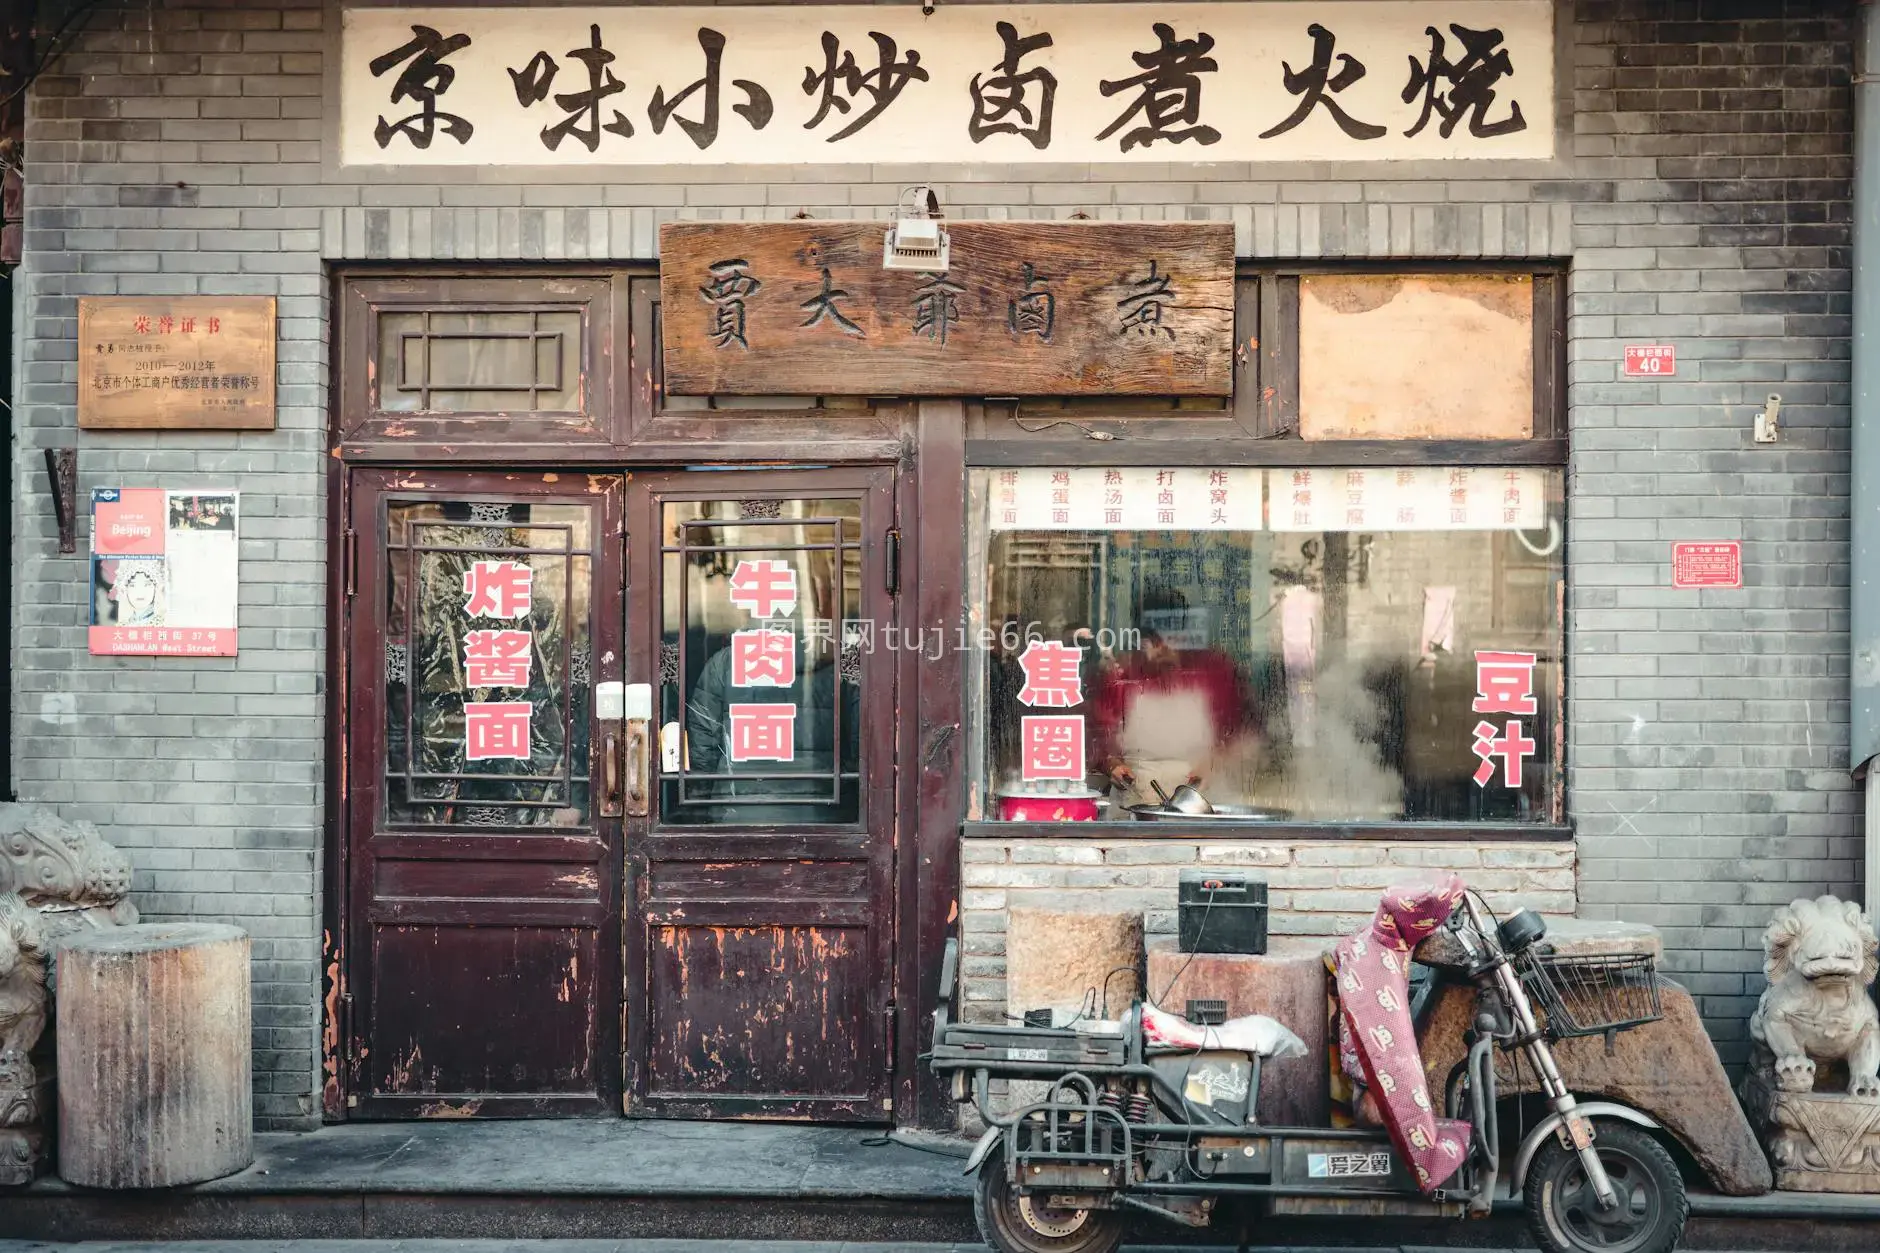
1152 1114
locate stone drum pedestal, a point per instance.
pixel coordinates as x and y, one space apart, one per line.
154 1039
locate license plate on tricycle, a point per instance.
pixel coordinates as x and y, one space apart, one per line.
1578 1132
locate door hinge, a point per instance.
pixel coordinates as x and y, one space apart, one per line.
349 557
893 1031
894 561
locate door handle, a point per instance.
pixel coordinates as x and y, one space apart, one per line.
610 775
639 767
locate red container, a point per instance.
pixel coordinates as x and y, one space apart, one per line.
1048 807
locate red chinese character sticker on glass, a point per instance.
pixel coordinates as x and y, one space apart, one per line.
1511 746
764 588
763 658
1504 683
1053 747
498 589
763 732
496 730
497 658
1051 675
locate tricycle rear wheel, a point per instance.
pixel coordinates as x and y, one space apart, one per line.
1012 1223
1566 1216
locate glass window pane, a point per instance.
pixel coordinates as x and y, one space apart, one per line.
449 361
1321 645
760 661
487 664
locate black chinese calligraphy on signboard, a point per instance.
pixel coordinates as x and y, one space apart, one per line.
1025 308
1396 79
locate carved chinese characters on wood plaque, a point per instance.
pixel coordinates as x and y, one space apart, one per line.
1024 309
176 363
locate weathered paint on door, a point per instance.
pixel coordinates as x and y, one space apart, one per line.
759 941
482 941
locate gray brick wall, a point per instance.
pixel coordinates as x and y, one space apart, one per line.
1701 195
1314 888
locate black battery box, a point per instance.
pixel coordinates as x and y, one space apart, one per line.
1220 911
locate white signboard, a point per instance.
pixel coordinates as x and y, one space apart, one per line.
1127 499
1423 498
1308 80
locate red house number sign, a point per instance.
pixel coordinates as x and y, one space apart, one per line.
1707 565
1651 360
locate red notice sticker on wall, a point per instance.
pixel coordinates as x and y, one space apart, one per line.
1651 360
1707 565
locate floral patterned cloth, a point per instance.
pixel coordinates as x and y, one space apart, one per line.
1376 1038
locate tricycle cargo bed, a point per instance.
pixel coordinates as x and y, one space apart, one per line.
968 1046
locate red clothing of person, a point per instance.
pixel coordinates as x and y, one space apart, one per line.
1202 670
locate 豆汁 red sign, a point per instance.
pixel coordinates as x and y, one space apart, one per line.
1651 360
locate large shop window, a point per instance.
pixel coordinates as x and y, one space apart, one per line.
1310 644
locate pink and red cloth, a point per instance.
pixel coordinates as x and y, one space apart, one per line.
1376 1039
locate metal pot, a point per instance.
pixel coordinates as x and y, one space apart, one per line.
1216 813
1186 800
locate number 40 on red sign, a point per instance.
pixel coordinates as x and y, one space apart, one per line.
1651 360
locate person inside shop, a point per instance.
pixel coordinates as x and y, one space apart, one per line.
783 788
1167 715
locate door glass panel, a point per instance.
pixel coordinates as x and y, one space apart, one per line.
479 362
760 665
487 664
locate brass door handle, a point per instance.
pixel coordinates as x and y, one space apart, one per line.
610 774
638 767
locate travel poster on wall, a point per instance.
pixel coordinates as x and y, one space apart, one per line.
163 572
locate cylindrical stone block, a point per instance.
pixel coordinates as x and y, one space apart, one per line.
154 1038
1286 983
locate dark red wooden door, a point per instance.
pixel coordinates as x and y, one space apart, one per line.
759 936
482 963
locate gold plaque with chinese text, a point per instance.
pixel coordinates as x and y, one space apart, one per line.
176 363
1024 309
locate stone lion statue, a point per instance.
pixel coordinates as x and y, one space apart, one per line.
22 998
1820 957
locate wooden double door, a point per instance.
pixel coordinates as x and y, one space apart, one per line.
618 794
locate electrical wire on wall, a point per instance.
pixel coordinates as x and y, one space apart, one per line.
64 31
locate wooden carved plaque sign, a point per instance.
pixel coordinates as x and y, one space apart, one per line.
1024 309
176 363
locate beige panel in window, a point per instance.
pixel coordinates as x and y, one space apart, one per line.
1426 356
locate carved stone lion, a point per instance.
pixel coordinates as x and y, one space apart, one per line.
56 878
48 860
1820 957
22 1018
22 1000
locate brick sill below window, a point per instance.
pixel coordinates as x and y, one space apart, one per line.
1276 832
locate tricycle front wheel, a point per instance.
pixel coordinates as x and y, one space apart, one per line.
1566 1216
1012 1223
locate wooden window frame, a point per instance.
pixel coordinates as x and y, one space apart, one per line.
832 434
1258 427
623 421
361 426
